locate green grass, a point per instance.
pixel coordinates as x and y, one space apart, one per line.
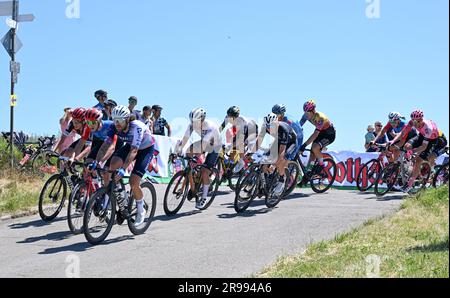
412 243
15 197
5 158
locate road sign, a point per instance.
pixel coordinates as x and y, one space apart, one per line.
26 18
13 100
6 41
14 67
6 8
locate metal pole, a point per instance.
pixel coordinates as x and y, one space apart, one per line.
13 59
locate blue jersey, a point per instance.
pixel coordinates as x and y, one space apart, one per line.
102 134
138 135
295 126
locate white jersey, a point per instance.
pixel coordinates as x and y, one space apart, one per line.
208 131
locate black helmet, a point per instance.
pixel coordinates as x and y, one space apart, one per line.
100 93
234 111
157 107
111 103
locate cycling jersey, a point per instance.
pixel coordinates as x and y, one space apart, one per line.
208 132
296 127
102 134
241 126
84 132
138 135
428 130
319 120
286 134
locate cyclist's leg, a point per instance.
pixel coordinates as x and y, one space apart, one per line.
143 159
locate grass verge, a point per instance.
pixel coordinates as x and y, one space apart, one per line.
412 243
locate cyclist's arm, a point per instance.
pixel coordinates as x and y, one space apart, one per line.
79 148
131 157
312 138
84 153
303 120
60 143
380 135
261 137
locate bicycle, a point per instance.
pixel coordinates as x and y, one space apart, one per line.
257 183
79 199
399 173
115 204
370 170
441 173
226 165
59 185
321 179
178 188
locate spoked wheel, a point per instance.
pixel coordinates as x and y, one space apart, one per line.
273 198
323 181
213 187
176 194
45 162
52 197
368 175
149 206
99 217
293 170
441 177
246 192
386 179
425 174
76 207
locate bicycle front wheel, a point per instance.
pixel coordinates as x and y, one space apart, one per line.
293 170
52 197
386 179
322 182
246 192
99 217
76 207
367 175
176 194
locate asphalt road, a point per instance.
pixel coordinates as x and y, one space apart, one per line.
213 243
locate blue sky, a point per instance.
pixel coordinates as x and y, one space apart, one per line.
216 53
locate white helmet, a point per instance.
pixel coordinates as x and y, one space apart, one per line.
270 119
394 116
121 113
198 114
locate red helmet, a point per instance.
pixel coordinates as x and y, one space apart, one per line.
94 115
309 106
417 115
79 114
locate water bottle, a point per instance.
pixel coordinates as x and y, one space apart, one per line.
121 202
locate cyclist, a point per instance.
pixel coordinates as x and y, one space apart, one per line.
395 126
77 125
285 146
280 111
245 133
210 143
109 107
139 147
324 135
421 145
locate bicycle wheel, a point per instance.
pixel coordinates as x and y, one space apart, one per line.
322 182
246 192
213 187
176 194
52 197
149 205
272 199
293 174
99 217
76 206
424 177
386 179
45 162
441 177
367 175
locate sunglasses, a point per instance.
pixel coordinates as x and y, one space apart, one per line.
91 123
120 122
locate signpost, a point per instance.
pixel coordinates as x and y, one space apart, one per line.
12 45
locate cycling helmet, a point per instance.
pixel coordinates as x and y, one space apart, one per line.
198 114
270 119
309 106
279 109
394 116
100 93
417 115
94 115
234 111
110 103
120 113
79 114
